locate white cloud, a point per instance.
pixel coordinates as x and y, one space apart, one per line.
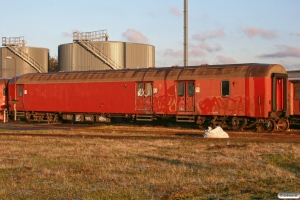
284 51
132 35
225 60
172 53
207 47
196 53
253 31
175 11
69 34
208 35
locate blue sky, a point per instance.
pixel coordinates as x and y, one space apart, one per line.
220 31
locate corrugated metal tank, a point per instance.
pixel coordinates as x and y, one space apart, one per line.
7 66
73 57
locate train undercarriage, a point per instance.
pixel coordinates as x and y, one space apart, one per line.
226 122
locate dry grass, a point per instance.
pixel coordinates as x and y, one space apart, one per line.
83 168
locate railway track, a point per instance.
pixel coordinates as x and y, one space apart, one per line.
134 132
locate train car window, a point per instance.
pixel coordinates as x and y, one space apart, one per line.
225 88
297 91
148 89
20 90
140 90
4 91
180 89
191 89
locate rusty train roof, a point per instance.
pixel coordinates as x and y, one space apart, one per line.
151 74
294 75
3 81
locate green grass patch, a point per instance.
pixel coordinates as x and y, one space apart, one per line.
285 161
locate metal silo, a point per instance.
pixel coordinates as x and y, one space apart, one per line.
87 54
139 55
73 57
17 59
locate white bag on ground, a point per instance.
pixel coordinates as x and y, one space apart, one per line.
215 133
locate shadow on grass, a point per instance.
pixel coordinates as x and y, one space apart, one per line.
285 161
171 161
227 146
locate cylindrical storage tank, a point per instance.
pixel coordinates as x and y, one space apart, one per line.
35 54
74 57
139 55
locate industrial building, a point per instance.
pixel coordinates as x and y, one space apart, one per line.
93 51
89 51
16 58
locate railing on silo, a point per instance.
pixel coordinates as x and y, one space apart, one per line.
85 39
14 44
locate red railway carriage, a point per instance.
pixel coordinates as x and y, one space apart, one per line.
234 96
294 96
3 97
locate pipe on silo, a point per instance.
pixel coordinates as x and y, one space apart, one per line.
185 30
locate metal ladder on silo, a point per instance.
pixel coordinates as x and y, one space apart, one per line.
85 38
14 44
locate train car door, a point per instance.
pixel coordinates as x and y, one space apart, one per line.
144 96
279 93
279 97
185 95
20 96
294 96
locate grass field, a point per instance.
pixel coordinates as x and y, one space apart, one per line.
85 168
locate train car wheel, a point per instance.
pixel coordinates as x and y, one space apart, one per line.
236 128
283 124
28 116
234 124
270 125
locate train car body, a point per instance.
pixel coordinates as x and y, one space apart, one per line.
294 96
3 98
235 96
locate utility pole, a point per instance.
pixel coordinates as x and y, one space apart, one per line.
185 30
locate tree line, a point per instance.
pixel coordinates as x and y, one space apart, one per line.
53 64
